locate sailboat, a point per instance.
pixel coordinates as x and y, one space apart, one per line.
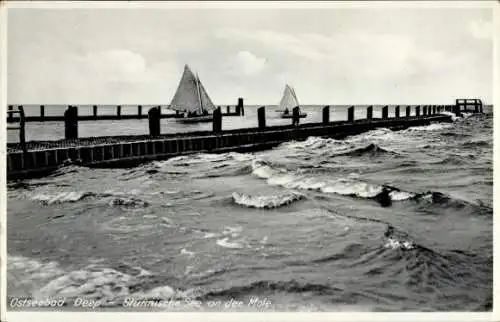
288 103
192 99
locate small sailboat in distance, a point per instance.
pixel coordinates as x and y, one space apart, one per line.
288 102
192 99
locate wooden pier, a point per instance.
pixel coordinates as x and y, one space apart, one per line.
229 110
41 157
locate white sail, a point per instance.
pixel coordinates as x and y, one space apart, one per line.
206 102
191 96
289 99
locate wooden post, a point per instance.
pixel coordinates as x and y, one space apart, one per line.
476 106
350 114
434 110
228 110
119 111
369 112
42 112
385 112
326 114
71 123
10 114
457 110
417 110
240 108
139 110
94 108
154 121
217 120
396 111
296 116
424 110
22 132
408 111
261 115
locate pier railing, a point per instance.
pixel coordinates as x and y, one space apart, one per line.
227 110
154 115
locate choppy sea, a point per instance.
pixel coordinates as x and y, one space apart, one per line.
381 221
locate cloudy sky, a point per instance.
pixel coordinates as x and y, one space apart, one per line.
331 56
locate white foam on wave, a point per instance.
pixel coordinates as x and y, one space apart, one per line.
32 278
61 197
352 187
224 242
114 198
27 274
187 252
241 156
262 170
341 186
453 116
100 283
401 195
93 283
210 235
395 244
431 127
273 201
202 158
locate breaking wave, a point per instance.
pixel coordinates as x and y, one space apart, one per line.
431 127
341 186
369 150
345 186
62 197
266 202
95 281
115 198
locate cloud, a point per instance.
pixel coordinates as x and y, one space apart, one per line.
115 65
481 29
329 56
358 55
246 63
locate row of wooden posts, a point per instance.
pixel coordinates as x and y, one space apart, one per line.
239 110
71 117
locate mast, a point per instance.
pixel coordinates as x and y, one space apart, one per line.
199 93
295 96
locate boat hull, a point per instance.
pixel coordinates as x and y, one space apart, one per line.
289 116
195 119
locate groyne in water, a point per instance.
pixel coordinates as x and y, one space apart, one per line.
41 157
